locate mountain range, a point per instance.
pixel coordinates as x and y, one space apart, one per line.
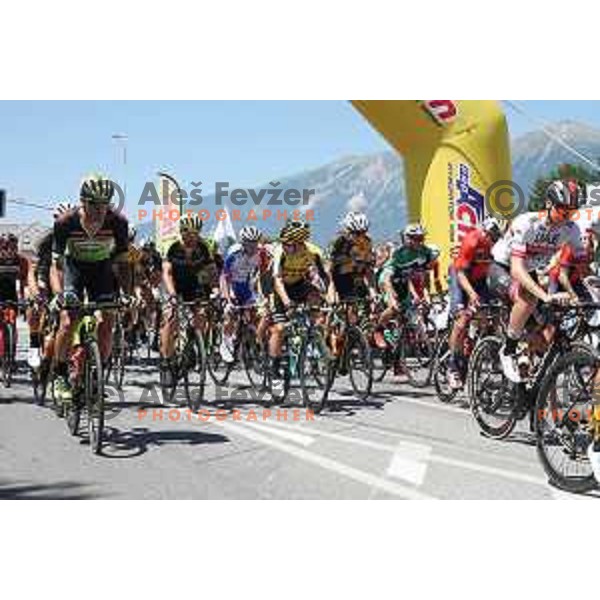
375 183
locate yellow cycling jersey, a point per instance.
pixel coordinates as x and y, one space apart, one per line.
293 268
351 255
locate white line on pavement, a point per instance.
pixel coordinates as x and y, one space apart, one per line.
435 406
409 462
331 465
299 438
388 447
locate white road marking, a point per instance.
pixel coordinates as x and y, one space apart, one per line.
409 462
339 437
299 438
331 465
435 406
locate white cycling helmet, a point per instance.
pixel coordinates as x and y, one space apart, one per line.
356 222
414 230
61 209
249 233
492 225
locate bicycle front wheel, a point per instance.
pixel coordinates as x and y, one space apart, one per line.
316 369
94 396
417 347
563 421
491 397
218 369
194 370
440 371
8 357
360 364
255 360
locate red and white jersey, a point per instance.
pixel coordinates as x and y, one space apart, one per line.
535 239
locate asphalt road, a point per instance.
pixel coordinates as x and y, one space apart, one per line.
404 444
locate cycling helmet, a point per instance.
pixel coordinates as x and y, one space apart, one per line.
295 232
61 209
12 242
356 221
249 233
97 188
190 223
132 233
492 226
414 230
563 193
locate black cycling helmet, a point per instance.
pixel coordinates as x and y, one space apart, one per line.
564 193
96 188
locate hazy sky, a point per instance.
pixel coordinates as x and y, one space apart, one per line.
46 147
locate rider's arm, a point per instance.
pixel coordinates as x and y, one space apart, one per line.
121 265
465 284
31 281
565 281
388 288
168 279
413 291
59 247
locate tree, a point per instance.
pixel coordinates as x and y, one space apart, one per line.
581 174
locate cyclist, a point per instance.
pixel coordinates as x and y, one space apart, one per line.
299 277
41 283
403 278
189 272
14 273
468 288
242 264
147 290
351 259
528 246
89 250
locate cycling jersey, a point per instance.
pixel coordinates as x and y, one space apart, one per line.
241 267
12 269
474 255
351 254
293 268
194 270
72 241
536 240
43 253
409 263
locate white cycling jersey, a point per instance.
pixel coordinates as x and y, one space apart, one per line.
533 238
239 266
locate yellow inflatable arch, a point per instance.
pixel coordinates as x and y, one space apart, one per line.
456 160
